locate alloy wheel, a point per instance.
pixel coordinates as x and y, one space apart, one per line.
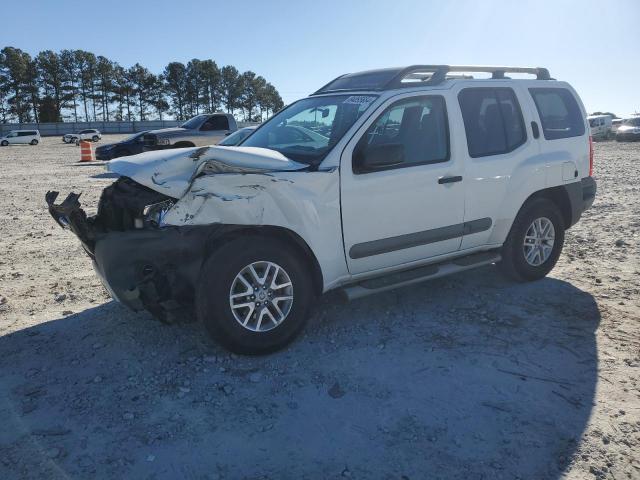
261 296
538 241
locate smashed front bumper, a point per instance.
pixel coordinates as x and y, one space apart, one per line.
153 268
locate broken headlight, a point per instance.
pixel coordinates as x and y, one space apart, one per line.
156 212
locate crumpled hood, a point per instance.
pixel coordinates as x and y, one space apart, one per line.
171 171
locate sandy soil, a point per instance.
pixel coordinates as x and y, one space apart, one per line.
464 377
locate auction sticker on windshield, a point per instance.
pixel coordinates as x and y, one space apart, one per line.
359 100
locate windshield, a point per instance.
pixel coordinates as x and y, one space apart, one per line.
236 137
307 130
633 121
193 122
131 138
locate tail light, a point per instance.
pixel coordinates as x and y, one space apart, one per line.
590 156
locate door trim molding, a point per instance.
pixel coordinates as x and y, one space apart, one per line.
425 237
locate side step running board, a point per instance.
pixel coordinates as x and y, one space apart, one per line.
419 274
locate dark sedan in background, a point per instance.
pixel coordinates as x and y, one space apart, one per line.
129 146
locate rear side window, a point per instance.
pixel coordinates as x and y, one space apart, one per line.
559 113
219 122
492 120
26 134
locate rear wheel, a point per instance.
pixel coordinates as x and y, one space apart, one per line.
535 241
95 138
254 295
34 142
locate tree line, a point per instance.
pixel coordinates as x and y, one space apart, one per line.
76 85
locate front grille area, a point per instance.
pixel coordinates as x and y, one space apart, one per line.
122 202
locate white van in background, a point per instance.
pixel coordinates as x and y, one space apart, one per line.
30 137
600 125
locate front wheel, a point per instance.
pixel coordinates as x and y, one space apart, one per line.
254 295
535 241
4 143
95 138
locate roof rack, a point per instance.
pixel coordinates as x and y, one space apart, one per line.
392 78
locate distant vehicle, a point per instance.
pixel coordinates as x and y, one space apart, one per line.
238 136
615 124
600 126
88 134
629 131
131 145
17 137
201 130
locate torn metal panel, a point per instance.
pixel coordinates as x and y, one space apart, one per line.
306 203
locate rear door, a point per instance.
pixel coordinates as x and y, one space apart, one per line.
564 137
411 211
495 147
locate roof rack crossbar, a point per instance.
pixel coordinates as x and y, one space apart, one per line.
498 72
439 73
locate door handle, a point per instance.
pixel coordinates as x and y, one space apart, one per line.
535 129
442 180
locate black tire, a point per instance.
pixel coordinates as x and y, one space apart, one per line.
95 138
514 263
214 286
34 142
4 143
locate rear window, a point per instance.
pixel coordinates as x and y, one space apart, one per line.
492 121
559 113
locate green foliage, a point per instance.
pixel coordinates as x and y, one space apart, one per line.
80 86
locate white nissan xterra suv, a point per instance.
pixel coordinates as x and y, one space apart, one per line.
380 179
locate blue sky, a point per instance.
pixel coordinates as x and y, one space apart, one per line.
300 45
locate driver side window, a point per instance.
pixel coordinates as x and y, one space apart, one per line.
219 122
415 128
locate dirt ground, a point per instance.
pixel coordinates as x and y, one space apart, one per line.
470 377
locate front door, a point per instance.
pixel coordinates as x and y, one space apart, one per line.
402 192
212 130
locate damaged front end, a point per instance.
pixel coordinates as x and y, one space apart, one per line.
142 262
146 257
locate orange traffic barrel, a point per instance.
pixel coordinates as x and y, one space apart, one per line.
86 152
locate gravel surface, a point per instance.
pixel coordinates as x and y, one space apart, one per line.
464 377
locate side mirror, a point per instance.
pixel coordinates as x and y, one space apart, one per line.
378 157
227 134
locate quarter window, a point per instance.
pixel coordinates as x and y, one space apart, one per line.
492 121
419 124
559 113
